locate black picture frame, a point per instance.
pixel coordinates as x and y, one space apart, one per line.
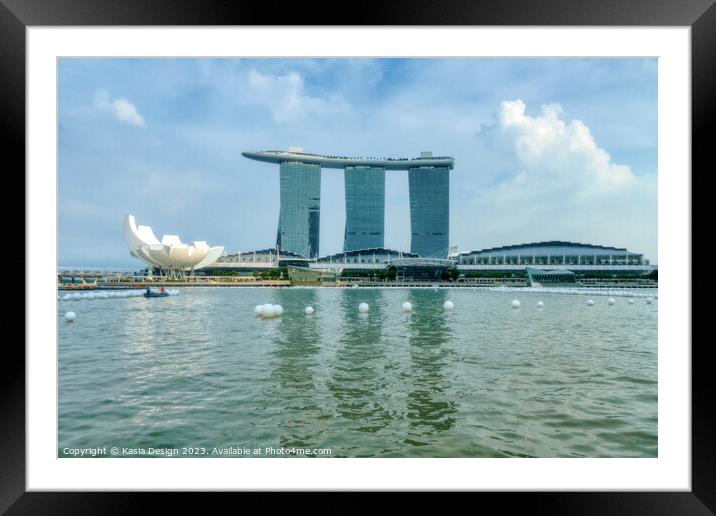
700 15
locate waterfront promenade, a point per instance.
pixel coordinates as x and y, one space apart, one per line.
126 282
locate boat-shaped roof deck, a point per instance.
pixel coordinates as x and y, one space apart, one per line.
274 156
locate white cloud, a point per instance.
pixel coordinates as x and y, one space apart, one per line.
121 108
550 149
560 185
511 184
285 97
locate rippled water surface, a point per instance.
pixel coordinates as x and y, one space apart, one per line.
199 369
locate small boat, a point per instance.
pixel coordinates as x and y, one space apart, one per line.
154 293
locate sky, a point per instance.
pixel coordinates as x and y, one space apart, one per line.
545 149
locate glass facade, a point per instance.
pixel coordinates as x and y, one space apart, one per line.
553 253
365 208
429 211
298 229
300 215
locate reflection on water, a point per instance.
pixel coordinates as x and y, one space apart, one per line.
430 409
166 359
356 381
482 380
293 385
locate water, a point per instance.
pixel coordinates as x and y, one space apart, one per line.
200 371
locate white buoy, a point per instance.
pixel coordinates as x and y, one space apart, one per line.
515 303
259 309
363 308
540 304
631 301
649 300
309 310
448 305
70 316
267 310
590 303
407 307
611 301
277 310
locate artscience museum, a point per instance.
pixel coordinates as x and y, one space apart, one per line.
170 255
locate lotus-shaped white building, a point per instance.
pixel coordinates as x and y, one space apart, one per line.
170 253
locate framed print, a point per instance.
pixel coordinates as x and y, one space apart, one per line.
478 308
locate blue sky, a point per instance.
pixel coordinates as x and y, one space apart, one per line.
545 149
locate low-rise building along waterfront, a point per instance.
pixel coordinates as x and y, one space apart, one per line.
539 278
257 260
554 255
554 258
306 276
374 258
